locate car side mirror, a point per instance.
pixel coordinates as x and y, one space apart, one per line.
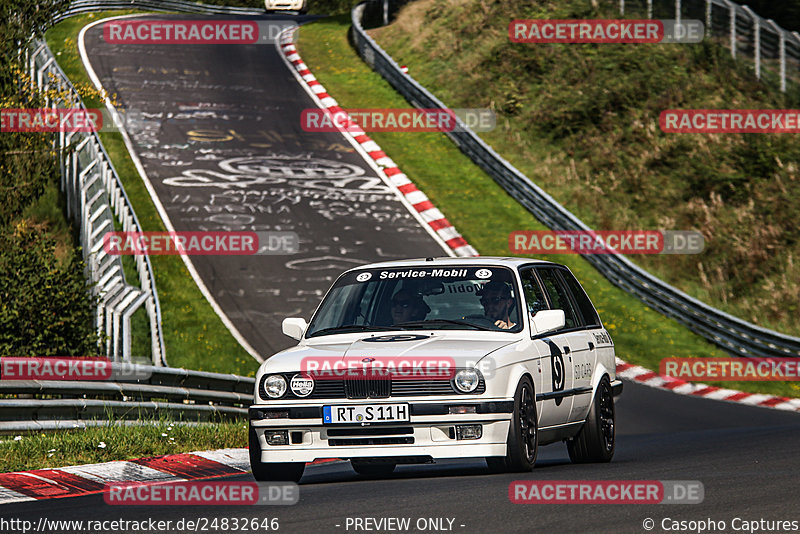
547 321
294 327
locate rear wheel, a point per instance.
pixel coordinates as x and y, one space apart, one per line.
373 468
595 441
523 436
273 471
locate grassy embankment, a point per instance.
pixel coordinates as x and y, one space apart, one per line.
582 122
470 199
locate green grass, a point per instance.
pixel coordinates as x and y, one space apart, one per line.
194 336
582 122
484 213
116 442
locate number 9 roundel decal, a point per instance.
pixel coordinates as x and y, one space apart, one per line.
557 367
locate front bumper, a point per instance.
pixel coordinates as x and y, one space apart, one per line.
429 433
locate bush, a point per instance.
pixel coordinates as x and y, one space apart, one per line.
45 304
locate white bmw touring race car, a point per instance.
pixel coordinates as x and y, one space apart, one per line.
418 360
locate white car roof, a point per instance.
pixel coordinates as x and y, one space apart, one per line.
447 260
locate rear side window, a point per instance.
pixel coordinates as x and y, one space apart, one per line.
559 296
585 306
534 298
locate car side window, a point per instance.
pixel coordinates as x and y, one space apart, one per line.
558 295
534 298
590 317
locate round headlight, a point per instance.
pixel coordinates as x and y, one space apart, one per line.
467 380
275 386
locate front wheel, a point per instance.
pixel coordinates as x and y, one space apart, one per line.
595 441
274 471
523 436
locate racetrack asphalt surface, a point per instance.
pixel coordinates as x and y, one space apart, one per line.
746 457
217 129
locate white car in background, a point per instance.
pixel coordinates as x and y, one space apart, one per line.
286 5
519 354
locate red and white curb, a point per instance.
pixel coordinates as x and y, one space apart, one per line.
676 385
78 480
429 214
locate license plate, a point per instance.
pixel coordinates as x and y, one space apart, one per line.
365 413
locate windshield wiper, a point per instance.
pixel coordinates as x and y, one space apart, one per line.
446 321
354 328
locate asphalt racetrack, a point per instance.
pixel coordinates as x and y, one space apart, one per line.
217 130
221 142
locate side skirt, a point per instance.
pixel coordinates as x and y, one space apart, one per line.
552 434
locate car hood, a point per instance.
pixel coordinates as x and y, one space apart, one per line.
465 348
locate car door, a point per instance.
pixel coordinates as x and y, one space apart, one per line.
584 343
554 349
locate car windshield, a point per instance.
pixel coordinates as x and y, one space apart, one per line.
420 298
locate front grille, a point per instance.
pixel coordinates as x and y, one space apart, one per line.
410 388
370 441
368 388
374 388
369 431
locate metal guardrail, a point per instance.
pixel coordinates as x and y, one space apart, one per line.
732 334
95 196
183 395
746 33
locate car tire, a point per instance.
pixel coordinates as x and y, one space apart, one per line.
523 436
273 471
373 468
595 441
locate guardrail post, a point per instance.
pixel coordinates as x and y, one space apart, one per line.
130 309
708 18
732 9
756 40
781 51
32 70
62 167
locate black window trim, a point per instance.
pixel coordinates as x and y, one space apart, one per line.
574 300
534 268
